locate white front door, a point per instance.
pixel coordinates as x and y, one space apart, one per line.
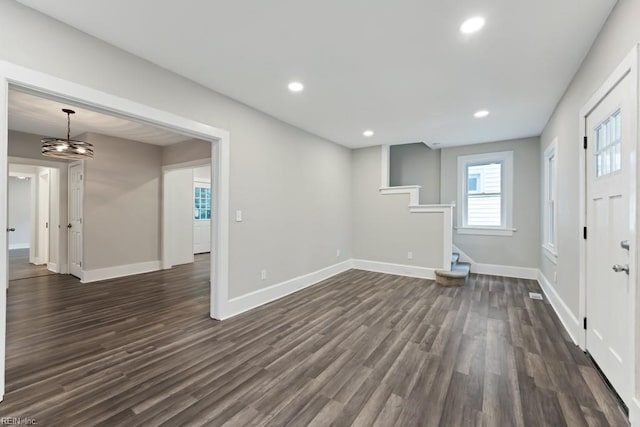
201 217
610 224
76 192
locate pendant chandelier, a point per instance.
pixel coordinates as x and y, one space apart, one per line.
67 148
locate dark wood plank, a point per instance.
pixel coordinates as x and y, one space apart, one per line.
358 349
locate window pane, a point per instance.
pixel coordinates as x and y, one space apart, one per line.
484 211
484 189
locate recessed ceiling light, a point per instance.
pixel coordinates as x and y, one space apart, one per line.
296 86
480 114
472 25
368 133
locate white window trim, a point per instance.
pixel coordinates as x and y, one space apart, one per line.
550 248
506 157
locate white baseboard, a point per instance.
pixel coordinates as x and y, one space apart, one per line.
255 299
119 271
19 246
398 269
505 271
52 266
570 322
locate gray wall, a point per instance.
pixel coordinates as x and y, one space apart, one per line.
523 248
28 146
616 39
383 228
187 151
293 187
122 208
416 164
20 212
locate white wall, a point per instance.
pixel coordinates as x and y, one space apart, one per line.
293 187
178 211
416 164
20 212
521 249
122 208
619 34
383 228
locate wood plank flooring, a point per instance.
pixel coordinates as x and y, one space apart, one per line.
362 349
20 268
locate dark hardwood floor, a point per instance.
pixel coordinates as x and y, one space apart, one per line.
20 268
359 349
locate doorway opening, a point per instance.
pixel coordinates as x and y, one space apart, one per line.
33 208
28 81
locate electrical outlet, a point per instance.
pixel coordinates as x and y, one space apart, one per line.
338 253
263 274
409 255
555 276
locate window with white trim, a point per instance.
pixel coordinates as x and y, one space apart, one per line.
485 194
550 199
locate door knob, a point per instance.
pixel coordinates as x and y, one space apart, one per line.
624 244
69 225
11 229
619 268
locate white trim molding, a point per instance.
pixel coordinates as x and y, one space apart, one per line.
412 190
569 320
506 193
481 231
98 274
505 271
397 269
260 297
19 246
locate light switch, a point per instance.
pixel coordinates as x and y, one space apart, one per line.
238 216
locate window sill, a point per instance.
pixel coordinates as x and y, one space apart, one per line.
550 254
486 231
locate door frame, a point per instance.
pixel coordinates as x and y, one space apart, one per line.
68 221
44 231
628 67
25 79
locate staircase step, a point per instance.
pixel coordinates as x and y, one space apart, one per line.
456 277
454 258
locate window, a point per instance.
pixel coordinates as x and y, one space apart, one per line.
607 136
485 193
202 201
550 205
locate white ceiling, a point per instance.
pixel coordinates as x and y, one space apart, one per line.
399 67
40 116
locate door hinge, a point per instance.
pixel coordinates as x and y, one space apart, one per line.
584 233
80 263
585 143
584 323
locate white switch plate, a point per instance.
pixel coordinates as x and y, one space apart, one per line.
410 255
238 216
338 253
263 274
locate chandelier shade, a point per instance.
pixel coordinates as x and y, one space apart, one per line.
68 148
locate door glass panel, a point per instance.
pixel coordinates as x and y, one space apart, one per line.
608 136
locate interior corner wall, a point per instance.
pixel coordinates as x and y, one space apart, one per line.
618 36
122 208
416 164
522 248
293 187
383 228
